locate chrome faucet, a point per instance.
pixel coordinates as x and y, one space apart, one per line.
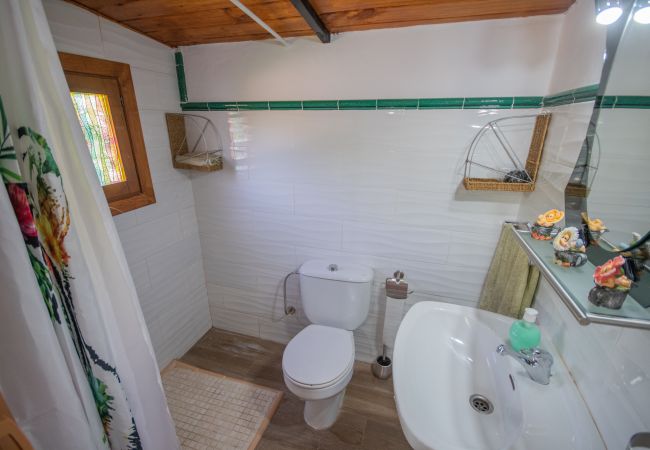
536 361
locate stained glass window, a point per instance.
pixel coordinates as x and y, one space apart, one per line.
94 115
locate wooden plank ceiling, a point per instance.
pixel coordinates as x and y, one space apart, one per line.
188 22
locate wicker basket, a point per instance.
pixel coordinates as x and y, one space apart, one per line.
494 184
577 190
532 163
178 145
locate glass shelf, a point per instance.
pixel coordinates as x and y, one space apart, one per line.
573 284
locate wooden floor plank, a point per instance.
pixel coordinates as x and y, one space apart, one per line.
368 419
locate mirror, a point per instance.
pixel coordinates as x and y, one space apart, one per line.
620 189
611 179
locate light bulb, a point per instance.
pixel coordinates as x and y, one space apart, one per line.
642 15
609 15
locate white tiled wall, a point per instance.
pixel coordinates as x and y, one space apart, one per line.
565 136
578 63
619 194
160 241
580 50
353 187
631 70
378 187
466 59
609 364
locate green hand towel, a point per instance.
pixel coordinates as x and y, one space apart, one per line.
511 282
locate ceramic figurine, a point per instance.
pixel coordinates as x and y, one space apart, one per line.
544 228
569 248
593 228
596 226
636 259
612 285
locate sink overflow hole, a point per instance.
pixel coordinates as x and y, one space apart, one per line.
481 404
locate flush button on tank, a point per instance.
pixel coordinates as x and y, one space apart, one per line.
332 267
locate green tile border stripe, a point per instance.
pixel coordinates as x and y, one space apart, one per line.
320 105
587 93
398 103
441 103
623 102
578 95
180 76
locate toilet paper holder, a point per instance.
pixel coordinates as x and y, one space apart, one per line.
397 287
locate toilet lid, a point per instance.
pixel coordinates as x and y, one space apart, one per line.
318 355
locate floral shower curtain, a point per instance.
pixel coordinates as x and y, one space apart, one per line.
35 189
77 368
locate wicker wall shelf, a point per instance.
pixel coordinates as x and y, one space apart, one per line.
523 177
577 190
201 156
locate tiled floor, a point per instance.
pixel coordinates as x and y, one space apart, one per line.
368 419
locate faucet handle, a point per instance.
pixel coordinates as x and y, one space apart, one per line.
536 361
537 357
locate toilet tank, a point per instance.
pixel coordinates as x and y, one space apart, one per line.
335 293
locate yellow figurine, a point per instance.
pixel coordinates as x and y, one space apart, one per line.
595 225
544 228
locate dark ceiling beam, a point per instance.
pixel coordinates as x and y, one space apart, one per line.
311 17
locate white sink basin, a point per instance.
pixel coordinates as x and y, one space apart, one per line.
446 353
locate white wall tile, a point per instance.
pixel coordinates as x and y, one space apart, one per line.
142 240
498 53
140 274
122 44
75 30
580 50
607 363
628 77
173 258
367 339
472 250
623 206
394 241
126 220
566 134
235 321
376 187
160 241
281 330
155 91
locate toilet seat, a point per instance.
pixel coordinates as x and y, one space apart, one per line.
319 357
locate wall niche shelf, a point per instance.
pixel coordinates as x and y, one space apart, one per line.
573 285
205 152
518 177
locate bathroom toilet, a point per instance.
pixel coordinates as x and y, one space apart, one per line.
318 362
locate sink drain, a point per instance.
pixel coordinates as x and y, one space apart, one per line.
481 404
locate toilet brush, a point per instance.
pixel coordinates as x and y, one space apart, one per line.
382 367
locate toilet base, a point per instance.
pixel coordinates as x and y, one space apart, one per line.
321 414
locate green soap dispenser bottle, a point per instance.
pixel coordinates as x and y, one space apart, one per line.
525 333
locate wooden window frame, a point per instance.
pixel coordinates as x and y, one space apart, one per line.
137 194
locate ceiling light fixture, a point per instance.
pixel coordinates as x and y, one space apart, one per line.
642 14
608 11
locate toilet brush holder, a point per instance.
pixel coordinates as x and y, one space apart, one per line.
382 367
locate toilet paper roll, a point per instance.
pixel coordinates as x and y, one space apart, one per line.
392 319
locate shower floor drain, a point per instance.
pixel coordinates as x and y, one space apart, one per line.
481 404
